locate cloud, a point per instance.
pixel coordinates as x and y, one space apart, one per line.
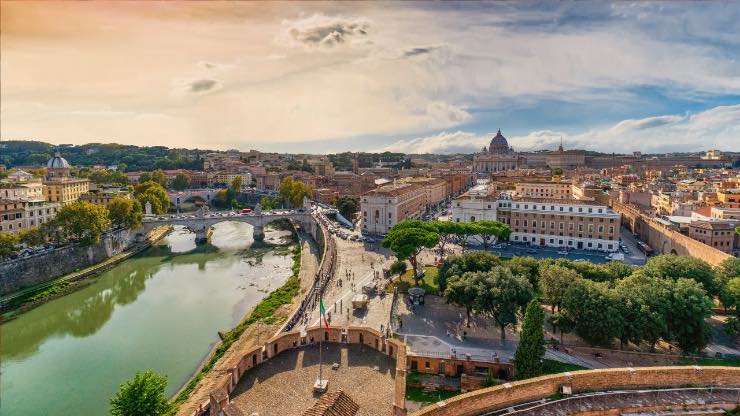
203 85
320 30
408 53
716 128
446 114
442 143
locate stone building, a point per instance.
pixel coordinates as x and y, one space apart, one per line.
565 159
385 206
105 196
718 234
498 157
59 185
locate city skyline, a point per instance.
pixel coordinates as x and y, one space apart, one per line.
414 78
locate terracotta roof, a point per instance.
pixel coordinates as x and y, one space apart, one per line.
705 211
336 403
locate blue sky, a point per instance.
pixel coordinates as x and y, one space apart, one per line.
412 77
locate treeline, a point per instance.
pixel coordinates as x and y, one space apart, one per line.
134 158
669 299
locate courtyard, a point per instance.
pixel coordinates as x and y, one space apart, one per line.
283 385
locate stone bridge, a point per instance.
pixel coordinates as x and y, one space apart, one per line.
202 222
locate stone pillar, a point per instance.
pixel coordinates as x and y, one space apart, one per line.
259 233
202 234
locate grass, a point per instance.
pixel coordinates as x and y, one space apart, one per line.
729 362
262 312
429 282
419 395
555 367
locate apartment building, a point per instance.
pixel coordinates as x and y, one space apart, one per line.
718 234
477 204
105 196
435 190
562 223
23 215
555 190
385 206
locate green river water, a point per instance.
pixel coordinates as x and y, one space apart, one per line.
160 309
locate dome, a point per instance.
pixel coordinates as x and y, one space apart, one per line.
57 162
499 144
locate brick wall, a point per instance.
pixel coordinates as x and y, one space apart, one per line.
509 394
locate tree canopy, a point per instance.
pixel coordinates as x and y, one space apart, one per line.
142 396
155 194
182 181
531 348
83 220
406 241
501 295
293 191
125 213
678 267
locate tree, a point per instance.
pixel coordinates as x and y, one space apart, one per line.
182 181
347 206
447 231
464 231
488 229
398 267
531 348
7 244
153 193
725 272
477 261
83 220
678 267
462 290
529 267
593 309
236 184
292 191
125 213
159 177
645 302
563 323
268 203
32 237
501 295
142 396
732 293
687 317
557 171
407 242
554 283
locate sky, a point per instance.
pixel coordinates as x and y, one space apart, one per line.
413 77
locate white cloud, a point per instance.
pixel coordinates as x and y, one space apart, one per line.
716 128
322 31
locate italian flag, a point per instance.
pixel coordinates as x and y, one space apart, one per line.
322 311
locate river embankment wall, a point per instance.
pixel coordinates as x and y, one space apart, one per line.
22 273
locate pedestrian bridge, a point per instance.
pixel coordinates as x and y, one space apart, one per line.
201 222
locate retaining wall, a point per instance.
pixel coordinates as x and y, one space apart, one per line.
29 271
503 396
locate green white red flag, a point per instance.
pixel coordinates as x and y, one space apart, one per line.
323 312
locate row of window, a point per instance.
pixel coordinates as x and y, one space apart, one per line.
570 243
561 225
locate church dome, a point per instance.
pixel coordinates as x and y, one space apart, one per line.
499 144
57 162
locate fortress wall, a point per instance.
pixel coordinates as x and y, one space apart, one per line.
524 391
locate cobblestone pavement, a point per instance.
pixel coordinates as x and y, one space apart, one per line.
283 385
362 261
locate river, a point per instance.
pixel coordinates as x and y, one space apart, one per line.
161 309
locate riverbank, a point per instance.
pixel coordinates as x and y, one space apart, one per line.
15 304
259 325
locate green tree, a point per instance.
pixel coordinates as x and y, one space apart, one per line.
268 203
562 323
398 267
593 309
726 271
557 171
159 177
490 231
462 290
678 267
125 213
83 220
531 348
529 267
292 191
182 181
153 193
687 318
645 302
447 231
142 396
732 294
32 237
236 184
347 206
7 244
501 295
477 261
554 283
407 242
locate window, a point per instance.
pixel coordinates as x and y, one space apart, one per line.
534 224
580 228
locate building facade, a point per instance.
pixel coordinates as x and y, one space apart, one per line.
385 206
498 157
555 190
717 234
59 185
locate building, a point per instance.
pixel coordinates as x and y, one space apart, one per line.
435 189
729 197
718 234
565 159
477 204
562 223
25 189
105 196
59 186
385 206
24 215
499 157
556 190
